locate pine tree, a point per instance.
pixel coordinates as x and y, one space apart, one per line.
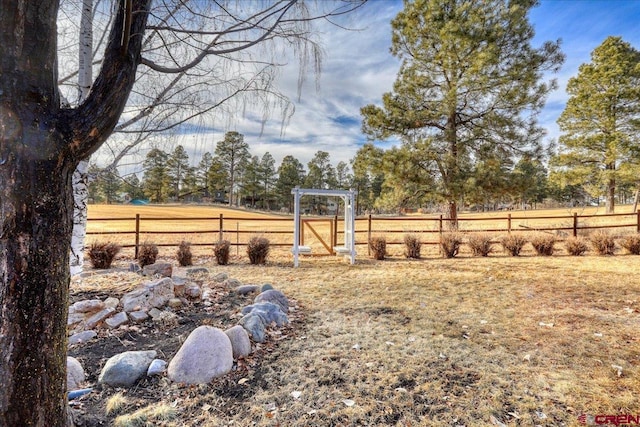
600 143
177 167
233 153
156 179
290 175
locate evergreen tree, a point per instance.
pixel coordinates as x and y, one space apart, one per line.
600 124
367 175
155 179
217 177
530 181
469 82
268 177
290 175
321 174
251 181
177 167
233 153
202 173
133 187
110 185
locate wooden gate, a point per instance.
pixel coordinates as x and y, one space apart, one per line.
325 235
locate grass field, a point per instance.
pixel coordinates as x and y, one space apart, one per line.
467 341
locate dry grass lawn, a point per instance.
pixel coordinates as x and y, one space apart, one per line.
467 341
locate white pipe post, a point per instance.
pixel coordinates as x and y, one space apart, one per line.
296 224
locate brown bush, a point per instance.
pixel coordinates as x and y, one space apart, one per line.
543 243
102 254
480 244
576 246
513 244
183 255
147 254
412 245
221 251
258 250
631 243
603 242
450 243
378 246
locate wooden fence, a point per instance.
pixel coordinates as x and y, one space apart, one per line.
131 232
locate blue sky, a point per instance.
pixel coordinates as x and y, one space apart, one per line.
358 69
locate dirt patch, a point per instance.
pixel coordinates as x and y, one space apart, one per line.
223 312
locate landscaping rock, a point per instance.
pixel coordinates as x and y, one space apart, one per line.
111 302
175 303
155 313
134 267
93 321
269 312
274 296
232 283
240 343
205 354
81 337
179 287
266 287
86 306
138 316
124 369
192 291
247 289
75 318
153 294
117 320
75 374
157 367
162 269
254 325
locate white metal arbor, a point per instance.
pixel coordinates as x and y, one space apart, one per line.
349 197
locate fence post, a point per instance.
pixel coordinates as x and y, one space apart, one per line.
508 223
238 238
137 235
334 235
369 235
221 227
575 224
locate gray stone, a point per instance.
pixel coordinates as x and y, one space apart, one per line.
162 269
254 325
179 287
124 369
206 354
111 302
155 313
266 287
247 289
150 295
269 312
240 342
138 316
81 337
86 306
134 267
157 367
75 374
192 291
197 272
220 277
275 297
75 318
117 320
100 316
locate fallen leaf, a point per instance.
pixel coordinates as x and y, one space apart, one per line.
496 422
356 347
206 407
389 343
348 402
242 380
401 389
617 368
296 394
311 412
527 357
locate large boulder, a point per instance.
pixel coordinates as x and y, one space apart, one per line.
240 342
276 297
269 312
254 325
150 295
124 369
75 374
162 269
206 354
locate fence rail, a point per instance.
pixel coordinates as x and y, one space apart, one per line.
131 232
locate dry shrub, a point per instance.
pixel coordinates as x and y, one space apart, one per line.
102 254
480 244
147 254
221 251
576 246
184 255
631 243
513 244
412 246
543 243
450 243
258 249
378 246
603 242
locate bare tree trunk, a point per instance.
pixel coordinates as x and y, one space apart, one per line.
611 194
635 200
80 176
